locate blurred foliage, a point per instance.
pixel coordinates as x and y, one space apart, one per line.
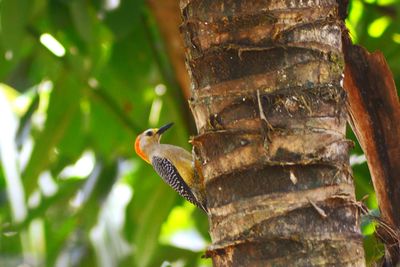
72 192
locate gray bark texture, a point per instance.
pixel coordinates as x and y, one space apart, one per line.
269 107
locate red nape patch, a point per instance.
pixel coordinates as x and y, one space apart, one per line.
139 151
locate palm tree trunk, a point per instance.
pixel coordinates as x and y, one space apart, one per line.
269 106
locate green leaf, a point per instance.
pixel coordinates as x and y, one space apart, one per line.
110 131
124 18
25 122
64 102
374 249
72 143
152 201
82 20
66 190
173 254
9 159
13 19
57 237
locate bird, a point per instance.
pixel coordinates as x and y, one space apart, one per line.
173 164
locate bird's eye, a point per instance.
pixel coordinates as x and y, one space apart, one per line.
149 133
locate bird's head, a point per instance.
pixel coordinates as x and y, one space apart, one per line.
147 139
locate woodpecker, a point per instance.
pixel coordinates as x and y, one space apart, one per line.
173 164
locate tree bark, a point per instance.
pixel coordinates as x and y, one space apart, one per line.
375 118
269 107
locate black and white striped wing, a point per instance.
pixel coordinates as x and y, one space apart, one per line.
171 176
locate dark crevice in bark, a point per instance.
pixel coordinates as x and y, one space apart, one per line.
263 179
305 253
229 64
283 110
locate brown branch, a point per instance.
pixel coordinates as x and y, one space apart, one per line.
374 111
167 14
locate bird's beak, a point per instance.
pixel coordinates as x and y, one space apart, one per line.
162 129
